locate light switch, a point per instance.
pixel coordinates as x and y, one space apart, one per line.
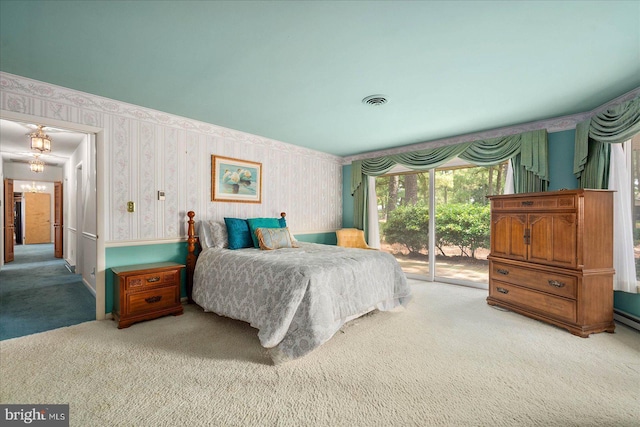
160 195
131 207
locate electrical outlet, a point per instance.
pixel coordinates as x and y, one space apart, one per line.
131 207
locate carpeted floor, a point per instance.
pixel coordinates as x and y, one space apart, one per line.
38 293
447 360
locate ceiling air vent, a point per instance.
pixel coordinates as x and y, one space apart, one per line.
375 100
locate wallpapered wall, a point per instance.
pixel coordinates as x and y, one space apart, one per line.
149 151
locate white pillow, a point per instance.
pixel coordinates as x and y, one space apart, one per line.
204 235
213 234
218 236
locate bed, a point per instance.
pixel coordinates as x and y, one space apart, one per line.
297 297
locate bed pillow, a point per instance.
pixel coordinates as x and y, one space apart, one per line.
255 223
239 233
218 237
204 235
212 234
274 238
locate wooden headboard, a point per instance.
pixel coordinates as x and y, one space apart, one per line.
192 243
192 240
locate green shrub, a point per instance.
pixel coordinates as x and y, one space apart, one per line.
408 225
466 226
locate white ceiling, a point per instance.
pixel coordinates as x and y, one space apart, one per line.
14 143
296 71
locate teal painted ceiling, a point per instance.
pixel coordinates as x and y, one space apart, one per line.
298 71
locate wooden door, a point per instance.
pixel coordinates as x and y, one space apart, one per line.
553 239
507 231
9 220
37 218
57 219
540 242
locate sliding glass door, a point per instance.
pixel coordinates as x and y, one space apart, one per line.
439 232
403 213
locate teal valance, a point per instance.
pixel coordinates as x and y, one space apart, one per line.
529 147
592 153
532 145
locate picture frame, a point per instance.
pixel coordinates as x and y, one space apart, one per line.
235 180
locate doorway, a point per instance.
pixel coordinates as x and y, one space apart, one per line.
36 206
77 164
17 200
37 214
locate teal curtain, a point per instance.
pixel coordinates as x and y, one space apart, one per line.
524 180
531 147
359 192
593 136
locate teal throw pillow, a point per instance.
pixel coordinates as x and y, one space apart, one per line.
239 233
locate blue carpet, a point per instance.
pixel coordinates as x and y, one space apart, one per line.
38 293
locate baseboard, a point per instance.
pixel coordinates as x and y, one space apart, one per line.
88 285
627 319
71 268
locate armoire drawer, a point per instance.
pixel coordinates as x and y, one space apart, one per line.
549 305
553 283
538 202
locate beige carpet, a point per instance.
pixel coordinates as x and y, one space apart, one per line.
449 359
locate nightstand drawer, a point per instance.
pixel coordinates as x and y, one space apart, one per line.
152 300
151 280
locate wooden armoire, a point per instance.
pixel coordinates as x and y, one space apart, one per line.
552 258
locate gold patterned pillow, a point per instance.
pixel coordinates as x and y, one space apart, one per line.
274 238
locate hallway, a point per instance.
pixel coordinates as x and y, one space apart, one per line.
38 293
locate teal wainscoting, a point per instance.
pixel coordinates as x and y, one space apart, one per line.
324 238
627 303
130 255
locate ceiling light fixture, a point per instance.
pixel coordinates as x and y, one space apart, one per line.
40 141
375 100
36 165
33 188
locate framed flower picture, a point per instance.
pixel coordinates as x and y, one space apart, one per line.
235 180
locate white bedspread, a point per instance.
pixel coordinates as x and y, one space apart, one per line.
297 298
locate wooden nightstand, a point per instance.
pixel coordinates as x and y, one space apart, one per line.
146 291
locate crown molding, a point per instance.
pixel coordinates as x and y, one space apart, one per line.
556 124
19 86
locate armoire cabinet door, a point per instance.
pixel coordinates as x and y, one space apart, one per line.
507 236
553 239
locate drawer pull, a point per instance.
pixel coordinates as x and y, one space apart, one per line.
527 203
502 271
556 284
151 300
153 279
502 290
